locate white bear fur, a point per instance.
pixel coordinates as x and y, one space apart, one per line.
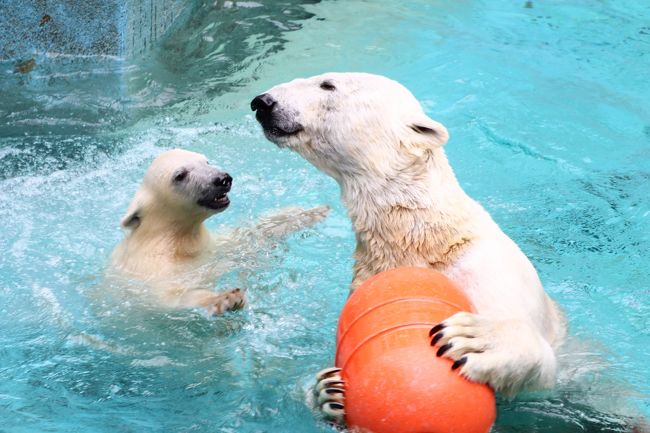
407 209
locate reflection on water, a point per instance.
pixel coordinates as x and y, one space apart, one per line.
218 46
224 44
62 94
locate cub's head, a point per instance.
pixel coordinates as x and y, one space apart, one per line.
179 187
349 124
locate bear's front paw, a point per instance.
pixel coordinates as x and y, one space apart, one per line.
506 354
234 299
460 338
318 213
330 390
309 217
460 335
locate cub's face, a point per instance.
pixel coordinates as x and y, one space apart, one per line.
181 185
183 179
347 123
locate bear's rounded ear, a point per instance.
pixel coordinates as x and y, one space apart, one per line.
133 216
427 133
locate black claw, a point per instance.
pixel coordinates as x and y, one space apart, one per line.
336 384
443 349
333 406
436 328
459 363
333 391
327 373
437 338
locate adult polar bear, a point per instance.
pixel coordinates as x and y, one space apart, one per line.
371 135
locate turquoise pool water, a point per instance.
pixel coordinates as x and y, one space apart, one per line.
547 106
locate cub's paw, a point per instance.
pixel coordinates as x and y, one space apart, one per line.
234 299
317 213
330 390
309 217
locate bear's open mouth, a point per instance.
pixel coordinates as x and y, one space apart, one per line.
215 202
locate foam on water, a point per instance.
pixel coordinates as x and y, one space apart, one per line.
546 109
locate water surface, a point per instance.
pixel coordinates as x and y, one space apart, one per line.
550 131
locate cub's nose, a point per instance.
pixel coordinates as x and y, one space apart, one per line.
223 180
263 102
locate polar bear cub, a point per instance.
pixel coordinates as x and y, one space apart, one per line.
371 135
169 252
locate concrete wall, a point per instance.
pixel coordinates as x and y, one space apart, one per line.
122 28
146 21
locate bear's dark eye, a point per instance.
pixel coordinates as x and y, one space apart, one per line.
327 85
180 176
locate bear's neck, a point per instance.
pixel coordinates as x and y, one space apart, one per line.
178 239
418 216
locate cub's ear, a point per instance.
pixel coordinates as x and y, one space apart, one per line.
425 133
134 214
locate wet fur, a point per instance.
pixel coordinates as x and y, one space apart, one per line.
407 209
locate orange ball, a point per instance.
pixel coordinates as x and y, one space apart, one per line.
394 382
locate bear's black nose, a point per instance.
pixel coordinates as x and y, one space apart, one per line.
224 180
263 102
